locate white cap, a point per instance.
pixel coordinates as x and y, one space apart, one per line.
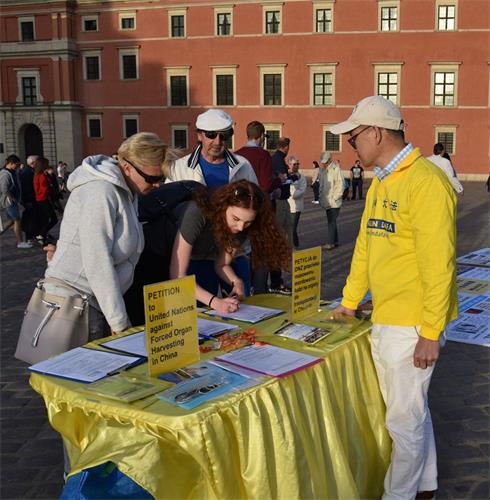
374 110
325 157
214 120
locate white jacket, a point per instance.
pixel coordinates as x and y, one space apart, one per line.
188 168
331 186
445 165
296 200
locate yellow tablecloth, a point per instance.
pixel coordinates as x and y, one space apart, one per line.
316 434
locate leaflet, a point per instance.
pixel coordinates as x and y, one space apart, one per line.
470 329
134 343
303 333
477 273
248 313
85 365
208 328
269 360
478 258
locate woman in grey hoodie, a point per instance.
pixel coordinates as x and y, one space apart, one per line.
101 238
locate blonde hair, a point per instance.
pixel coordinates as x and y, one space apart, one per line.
147 149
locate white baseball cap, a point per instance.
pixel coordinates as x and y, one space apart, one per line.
374 110
214 120
325 157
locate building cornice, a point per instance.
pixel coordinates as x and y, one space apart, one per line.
47 48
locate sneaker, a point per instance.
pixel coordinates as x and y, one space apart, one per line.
316 202
24 244
328 247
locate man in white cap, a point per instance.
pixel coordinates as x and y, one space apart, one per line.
405 254
211 163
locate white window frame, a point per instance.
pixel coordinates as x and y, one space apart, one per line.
130 116
271 69
319 68
128 51
177 12
444 67
384 4
229 69
269 8
91 53
27 19
94 116
92 17
448 3
272 127
28 73
321 6
223 10
445 129
179 126
178 71
388 67
127 15
326 128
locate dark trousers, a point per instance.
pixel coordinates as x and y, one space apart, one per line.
332 233
316 190
29 221
296 216
48 217
356 186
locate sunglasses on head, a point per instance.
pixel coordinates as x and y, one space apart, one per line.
150 179
241 192
224 135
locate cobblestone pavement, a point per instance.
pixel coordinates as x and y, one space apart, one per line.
31 455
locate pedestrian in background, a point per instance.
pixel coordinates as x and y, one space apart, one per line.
296 199
331 189
445 165
315 185
30 215
43 189
356 179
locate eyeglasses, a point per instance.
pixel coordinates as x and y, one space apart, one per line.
352 139
295 164
150 179
224 136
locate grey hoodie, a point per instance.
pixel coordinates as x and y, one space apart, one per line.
101 238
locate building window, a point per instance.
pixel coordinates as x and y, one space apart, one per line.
444 84
388 86
322 89
446 17
130 125
447 140
26 29
332 141
179 136
91 66
272 90
272 22
178 90
90 23
224 90
388 15
223 23
94 126
127 21
176 26
273 134
128 63
323 20
29 90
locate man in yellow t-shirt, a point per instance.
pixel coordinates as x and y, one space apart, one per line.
405 254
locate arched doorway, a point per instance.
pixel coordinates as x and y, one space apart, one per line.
33 140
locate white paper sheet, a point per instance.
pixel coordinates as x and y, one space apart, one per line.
269 360
134 343
248 313
209 328
84 365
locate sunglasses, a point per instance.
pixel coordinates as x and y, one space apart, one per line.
150 179
224 136
352 139
245 193
183 397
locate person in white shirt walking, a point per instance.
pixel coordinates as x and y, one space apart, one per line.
446 166
296 200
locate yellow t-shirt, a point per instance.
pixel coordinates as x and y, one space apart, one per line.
406 249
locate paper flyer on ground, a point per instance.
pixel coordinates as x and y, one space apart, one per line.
476 273
477 258
269 360
248 313
307 269
171 325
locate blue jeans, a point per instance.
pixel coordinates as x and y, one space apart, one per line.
332 233
207 278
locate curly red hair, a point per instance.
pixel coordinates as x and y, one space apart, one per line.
270 247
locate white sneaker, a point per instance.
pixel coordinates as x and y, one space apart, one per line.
315 202
24 244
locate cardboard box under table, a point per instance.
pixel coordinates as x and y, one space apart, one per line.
318 433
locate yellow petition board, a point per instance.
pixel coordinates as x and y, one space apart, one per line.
307 265
171 325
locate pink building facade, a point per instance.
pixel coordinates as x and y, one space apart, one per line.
79 76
